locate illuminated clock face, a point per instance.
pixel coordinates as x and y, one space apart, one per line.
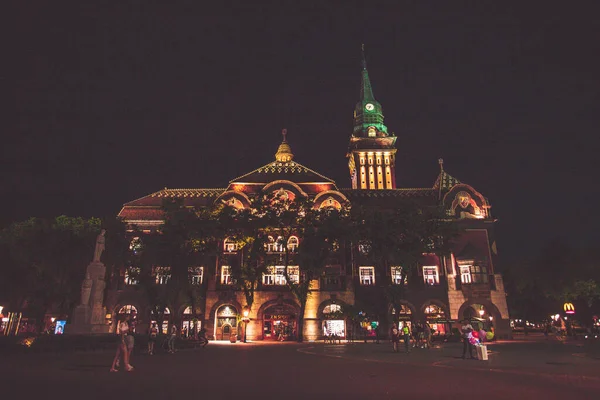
370 107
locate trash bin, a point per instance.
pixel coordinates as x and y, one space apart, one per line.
482 352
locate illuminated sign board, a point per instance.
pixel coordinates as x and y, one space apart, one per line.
569 308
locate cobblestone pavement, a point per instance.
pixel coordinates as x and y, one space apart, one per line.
312 370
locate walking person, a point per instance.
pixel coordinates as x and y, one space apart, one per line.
152 335
172 337
406 336
395 337
467 334
122 331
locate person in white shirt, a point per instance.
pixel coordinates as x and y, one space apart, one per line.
467 333
122 331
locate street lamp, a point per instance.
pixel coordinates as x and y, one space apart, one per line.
246 319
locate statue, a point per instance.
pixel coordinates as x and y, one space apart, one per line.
99 246
86 290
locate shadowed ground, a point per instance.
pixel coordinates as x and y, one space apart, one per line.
314 370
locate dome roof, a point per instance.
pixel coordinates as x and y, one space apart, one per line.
284 152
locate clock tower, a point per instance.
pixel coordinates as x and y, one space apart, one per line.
372 151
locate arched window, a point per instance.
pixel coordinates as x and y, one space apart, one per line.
434 310
271 245
187 311
330 202
332 308
293 244
132 275
136 245
230 246
128 309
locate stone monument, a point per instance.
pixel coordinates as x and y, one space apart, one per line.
89 316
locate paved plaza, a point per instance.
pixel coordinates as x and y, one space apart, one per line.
515 370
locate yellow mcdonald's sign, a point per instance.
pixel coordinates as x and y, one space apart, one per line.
569 308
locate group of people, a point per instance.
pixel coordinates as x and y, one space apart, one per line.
421 336
126 341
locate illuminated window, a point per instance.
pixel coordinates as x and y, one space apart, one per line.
226 275
465 273
279 245
128 309
332 308
163 274
275 246
430 275
280 275
367 276
136 245
293 244
275 275
269 276
132 275
229 246
372 131
396 273
294 274
433 310
472 273
196 275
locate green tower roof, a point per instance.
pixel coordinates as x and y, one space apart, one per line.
368 113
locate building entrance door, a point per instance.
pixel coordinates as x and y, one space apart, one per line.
279 323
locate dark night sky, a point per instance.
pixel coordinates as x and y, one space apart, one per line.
115 102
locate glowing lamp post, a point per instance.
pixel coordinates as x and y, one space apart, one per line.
245 319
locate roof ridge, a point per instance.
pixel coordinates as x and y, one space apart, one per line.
276 164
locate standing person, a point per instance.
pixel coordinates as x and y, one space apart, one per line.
467 334
395 336
202 336
129 343
172 337
122 332
406 336
152 335
427 334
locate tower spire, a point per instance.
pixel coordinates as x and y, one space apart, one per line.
366 91
372 152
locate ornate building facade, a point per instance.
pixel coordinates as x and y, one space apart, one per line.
446 289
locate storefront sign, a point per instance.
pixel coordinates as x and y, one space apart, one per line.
569 308
278 316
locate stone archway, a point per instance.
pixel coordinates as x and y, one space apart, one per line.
437 316
332 321
279 319
226 322
500 326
